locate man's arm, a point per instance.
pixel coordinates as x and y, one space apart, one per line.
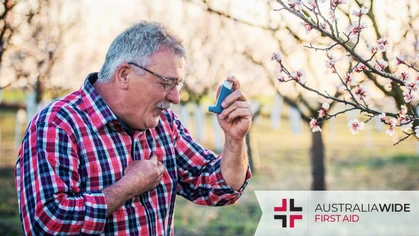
49 198
235 120
234 163
204 178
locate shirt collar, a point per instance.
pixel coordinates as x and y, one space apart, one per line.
99 112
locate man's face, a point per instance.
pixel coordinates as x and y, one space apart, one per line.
146 98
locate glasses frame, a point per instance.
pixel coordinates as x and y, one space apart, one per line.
167 87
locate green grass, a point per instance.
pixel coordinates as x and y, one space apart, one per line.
368 161
9 215
13 95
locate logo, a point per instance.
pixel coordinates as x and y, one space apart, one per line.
292 217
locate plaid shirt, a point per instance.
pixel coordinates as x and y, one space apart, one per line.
76 146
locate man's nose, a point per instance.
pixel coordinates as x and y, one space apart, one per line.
173 96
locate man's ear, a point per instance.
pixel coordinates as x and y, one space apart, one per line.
122 75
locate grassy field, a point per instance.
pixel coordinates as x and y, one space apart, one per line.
365 162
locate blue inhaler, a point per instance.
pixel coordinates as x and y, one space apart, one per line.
226 89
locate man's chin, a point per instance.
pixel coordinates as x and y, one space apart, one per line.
153 124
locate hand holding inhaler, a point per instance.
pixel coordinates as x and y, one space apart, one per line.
226 89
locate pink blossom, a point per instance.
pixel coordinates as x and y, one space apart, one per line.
314 125
298 76
322 113
276 56
361 92
401 59
403 110
323 25
296 5
307 27
312 3
382 116
360 12
332 15
393 122
330 64
324 109
404 76
390 130
329 55
281 77
356 28
355 125
402 120
380 64
372 48
409 96
412 86
360 67
383 44
349 80
335 3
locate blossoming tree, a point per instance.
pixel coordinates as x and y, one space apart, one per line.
399 81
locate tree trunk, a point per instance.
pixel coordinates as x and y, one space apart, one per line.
256 111
249 153
317 162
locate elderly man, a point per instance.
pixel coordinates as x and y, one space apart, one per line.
111 157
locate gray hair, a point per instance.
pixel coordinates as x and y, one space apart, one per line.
137 44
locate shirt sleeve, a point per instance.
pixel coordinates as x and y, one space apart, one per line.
199 173
48 186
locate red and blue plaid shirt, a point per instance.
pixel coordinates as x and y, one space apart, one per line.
76 147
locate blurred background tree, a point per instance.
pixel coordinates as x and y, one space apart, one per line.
33 40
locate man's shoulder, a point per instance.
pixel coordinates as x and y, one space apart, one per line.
65 108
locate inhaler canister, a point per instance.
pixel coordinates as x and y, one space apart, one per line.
226 89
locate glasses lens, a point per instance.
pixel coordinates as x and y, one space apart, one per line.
180 84
172 82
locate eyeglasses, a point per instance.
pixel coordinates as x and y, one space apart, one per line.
169 82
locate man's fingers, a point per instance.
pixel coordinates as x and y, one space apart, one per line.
236 95
161 168
238 113
236 105
235 81
154 160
